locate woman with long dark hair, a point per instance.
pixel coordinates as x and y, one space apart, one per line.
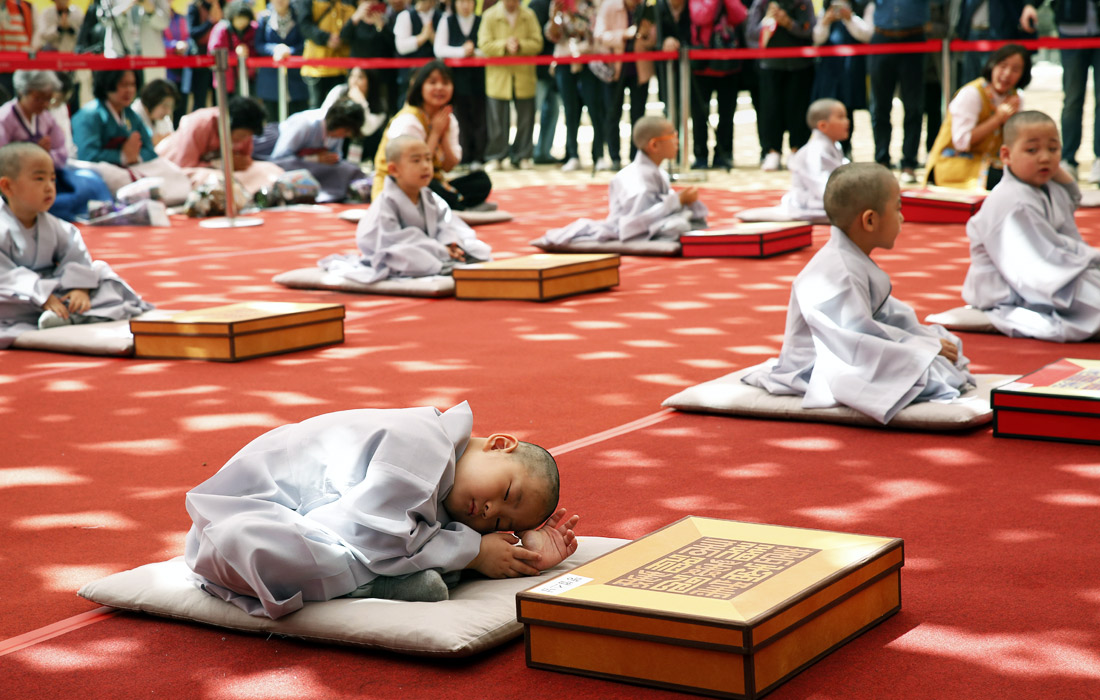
969 142
427 115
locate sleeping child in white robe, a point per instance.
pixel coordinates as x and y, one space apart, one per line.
408 231
47 277
1030 270
810 167
642 204
848 342
373 503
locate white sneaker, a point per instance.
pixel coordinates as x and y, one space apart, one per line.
476 166
571 165
908 177
525 164
1070 169
493 165
1094 173
603 164
771 162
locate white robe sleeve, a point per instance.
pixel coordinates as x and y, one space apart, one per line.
393 246
1030 270
313 510
810 169
293 137
448 229
875 360
19 283
643 206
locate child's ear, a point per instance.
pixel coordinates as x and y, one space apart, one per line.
822 124
1004 154
868 219
391 167
501 441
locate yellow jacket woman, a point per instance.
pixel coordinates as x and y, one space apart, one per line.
969 141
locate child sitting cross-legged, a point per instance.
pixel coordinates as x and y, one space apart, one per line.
47 277
374 503
810 166
642 204
847 341
408 231
1030 270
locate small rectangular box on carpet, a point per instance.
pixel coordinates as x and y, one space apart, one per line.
717 607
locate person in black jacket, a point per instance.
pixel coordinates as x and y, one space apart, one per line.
370 35
1072 18
202 15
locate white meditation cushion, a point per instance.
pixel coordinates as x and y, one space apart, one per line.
473 218
729 395
963 318
666 248
777 215
316 278
106 338
480 614
352 215
1090 198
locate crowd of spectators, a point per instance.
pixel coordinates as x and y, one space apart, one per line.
484 100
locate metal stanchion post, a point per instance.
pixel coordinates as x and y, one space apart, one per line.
283 96
945 52
242 76
230 220
672 98
686 174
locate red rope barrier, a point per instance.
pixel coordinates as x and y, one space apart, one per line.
68 62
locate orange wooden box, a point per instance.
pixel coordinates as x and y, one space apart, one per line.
715 607
747 240
1059 402
537 277
238 331
939 206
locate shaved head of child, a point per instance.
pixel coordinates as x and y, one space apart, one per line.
409 163
1023 120
14 156
503 484
648 128
821 110
854 188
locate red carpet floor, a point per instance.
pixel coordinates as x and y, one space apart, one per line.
1000 597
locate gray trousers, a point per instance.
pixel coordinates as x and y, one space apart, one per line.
498 115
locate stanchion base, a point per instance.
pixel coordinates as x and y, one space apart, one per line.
230 222
689 176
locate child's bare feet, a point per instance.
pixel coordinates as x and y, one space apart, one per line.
554 541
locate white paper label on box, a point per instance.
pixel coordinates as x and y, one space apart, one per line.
561 584
1015 386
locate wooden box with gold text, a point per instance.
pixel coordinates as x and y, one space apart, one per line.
239 331
537 277
715 607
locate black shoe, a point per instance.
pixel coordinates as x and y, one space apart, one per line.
549 160
699 164
722 164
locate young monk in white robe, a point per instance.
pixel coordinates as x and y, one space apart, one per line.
848 342
47 277
408 231
642 204
373 503
1030 270
810 167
